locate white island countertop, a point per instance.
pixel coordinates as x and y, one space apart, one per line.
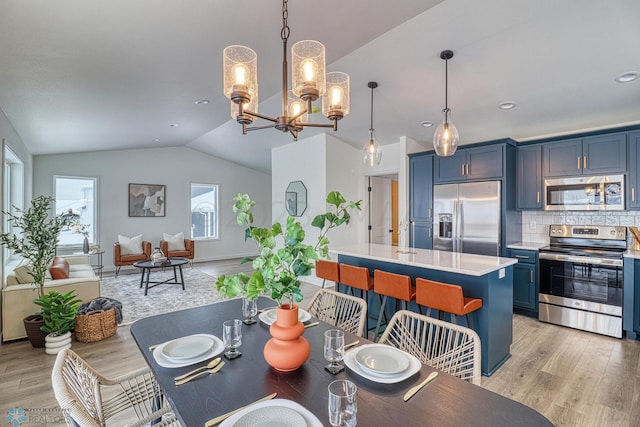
454 262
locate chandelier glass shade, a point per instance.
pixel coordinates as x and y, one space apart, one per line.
309 82
446 138
371 152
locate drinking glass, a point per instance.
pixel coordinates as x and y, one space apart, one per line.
232 338
334 350
343 405
249 309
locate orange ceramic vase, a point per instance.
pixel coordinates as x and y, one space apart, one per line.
287 350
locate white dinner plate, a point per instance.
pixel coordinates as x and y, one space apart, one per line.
269 316
163 361
276 412
352 364
382 360
186 348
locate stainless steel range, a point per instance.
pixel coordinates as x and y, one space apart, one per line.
581 278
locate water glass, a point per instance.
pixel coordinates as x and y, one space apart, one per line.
343 405
249 309
334 350
232 338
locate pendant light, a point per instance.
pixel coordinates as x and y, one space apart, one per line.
446 137
371 152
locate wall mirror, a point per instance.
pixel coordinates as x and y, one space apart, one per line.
295 198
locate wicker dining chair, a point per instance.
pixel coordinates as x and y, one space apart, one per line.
346 312
89 399
451 348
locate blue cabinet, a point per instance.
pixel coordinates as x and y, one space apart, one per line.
470 164
599 154
529 178
525 279
421 201
634 171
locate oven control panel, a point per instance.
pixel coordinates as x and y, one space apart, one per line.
589 231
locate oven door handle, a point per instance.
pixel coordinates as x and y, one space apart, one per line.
581 260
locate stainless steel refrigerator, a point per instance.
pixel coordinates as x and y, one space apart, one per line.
467 217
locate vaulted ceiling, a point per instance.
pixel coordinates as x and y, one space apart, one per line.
91 76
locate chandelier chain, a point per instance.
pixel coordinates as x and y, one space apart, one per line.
284 34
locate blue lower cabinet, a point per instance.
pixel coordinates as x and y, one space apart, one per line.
525 279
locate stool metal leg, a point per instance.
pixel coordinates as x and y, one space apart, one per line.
382 309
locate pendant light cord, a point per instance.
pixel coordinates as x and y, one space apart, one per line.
371 127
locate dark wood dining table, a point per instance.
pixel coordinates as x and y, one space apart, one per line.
448 401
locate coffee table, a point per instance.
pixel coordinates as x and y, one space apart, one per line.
148 265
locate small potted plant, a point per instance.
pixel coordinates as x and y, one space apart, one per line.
283 258
59 313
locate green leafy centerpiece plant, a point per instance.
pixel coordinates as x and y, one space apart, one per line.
38 237
284 256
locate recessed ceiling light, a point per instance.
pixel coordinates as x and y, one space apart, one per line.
629 76
156 140
174 125
426 124
202 102
507 105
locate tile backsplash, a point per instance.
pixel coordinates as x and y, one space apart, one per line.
535 225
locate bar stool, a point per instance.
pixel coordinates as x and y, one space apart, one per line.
392 285
447 298
357 278
328 270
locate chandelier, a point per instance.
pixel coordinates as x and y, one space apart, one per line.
446 137
309 81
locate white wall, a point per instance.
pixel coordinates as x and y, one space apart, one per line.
176 168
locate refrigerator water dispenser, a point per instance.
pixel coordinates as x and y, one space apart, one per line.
446 225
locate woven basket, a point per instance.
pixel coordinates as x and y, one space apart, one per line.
96 325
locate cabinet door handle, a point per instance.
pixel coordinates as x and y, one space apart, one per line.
430 212
429 232
522 256
584 162
578 162
468 173
463 169
531 276
538 199
633 194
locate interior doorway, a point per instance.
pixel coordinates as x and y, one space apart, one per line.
383 209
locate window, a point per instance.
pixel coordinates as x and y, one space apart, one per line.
76 196
204 211
13 189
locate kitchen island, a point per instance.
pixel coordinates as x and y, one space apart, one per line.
486 277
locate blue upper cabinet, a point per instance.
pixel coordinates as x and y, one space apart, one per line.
470 164
529 177
421 201
634 171
593 155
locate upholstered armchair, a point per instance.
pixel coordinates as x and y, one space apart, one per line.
123 257
177 247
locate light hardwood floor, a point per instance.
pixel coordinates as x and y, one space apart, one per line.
574 378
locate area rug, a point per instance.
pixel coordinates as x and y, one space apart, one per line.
200 289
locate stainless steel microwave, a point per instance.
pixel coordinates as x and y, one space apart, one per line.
585 193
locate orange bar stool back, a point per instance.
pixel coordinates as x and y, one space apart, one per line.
447 298
357 278
328 270
392 285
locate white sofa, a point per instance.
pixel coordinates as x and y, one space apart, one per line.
17 298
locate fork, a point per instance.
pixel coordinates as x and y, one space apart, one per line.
207 372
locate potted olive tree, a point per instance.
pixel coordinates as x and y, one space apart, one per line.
283 258
36 243
59 313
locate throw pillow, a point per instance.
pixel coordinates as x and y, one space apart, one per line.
59 268
130 245
22 274
175 242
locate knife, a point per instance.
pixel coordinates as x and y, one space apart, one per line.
221 418
409 394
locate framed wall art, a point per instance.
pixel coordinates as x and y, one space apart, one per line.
146 200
